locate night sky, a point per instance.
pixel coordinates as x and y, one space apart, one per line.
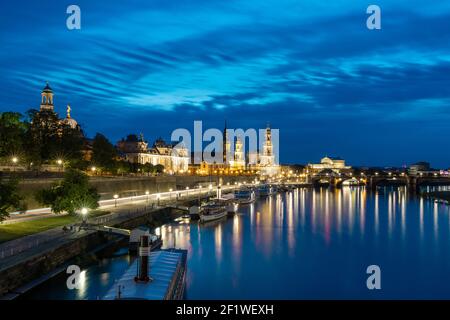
310 68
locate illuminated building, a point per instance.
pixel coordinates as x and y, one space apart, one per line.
336 165
135 149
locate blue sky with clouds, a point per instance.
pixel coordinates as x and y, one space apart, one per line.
310 68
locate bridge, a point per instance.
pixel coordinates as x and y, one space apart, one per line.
372 180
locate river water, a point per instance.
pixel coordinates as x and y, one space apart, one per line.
303 244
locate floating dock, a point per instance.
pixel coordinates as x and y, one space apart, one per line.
166 278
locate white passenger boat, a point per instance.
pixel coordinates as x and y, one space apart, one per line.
212 211
229 201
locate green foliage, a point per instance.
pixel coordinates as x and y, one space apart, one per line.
9 197
103 152
48 139
71 194
122 167
148 168
159 168
12 134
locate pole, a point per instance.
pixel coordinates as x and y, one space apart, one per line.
143 266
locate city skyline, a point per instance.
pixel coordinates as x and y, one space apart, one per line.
329 84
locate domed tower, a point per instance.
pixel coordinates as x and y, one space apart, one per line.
47 99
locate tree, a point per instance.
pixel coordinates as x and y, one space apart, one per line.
42 137
159 168
71 194
9 197
103 152
49 138
148 168
12 133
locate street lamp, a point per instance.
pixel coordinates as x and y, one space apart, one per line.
14 161
116 196
93 168
147 193
158 196
170 193
84 212
60 164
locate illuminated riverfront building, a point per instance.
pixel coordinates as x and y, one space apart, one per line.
336 165
135 149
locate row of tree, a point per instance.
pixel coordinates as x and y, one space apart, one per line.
38 138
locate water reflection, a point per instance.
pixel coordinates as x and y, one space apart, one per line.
313 244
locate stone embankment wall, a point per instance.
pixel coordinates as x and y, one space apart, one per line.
41 264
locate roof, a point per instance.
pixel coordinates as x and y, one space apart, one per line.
163 266
47 88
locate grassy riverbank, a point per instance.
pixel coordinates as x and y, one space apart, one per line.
20 229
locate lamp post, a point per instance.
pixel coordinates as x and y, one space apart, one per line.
147 193
170 194
60 164
158 196
199 193
84 212
93 168
14 161
116 196
187 192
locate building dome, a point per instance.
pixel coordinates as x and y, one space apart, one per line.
71 123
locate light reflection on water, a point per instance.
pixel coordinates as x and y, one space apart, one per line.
305 244
318 243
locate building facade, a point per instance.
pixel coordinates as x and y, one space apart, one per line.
134 149
336 165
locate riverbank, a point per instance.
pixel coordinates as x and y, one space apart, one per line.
17 230
107 187
26 268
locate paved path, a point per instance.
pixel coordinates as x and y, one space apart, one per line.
14 251
112 203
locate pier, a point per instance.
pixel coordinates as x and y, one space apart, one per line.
166 278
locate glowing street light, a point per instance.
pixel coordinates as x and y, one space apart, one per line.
14 161
84 212
147 193
116 196
158 196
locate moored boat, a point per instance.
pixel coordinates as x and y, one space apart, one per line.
212 211
229 201
244 195
265 190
